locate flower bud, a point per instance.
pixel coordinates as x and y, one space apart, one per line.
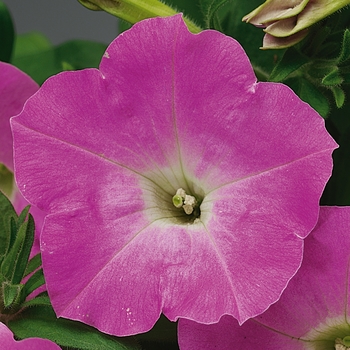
136 10
287 22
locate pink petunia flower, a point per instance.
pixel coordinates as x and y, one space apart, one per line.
174 182
7 342
312 313
15 88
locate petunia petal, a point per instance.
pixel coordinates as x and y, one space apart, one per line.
318 294
9 343
169 109
15 88
228 335
260 112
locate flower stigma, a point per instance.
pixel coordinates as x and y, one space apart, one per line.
187 202
342 344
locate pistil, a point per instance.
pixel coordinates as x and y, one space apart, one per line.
182 200
342 344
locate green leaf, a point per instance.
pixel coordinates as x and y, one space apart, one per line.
217 23
47 60
345 49
67 66
123 25
79 54
22 216
28 228
7 212
339 96
332 78
40 300
33 264
31 43
11 294
209 9
14 230
310 94
35 281
338 122
7 33
33 54
15 262
41 321
4 238
291 61
318 70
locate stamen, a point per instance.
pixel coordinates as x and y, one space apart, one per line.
177 201
342 344
185 201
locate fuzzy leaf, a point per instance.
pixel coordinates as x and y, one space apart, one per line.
209 9
345 50
33 264
35 281
4 237
7 213
41 300
14 229
28 228
190 9
22 216
332 78
11 293
339 96
14 264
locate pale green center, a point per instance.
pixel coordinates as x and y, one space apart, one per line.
333 334
342 344
173 199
